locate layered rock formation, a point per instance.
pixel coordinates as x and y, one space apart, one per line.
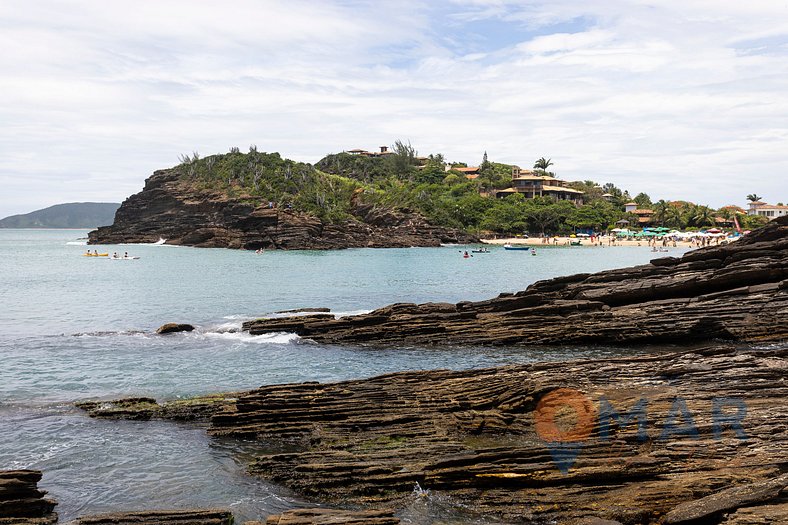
21 501
160 517
692 437
737 292
167 207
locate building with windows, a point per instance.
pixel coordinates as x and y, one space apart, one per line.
770 211
532 184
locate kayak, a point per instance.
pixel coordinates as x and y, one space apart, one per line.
510 247
95 255
480 251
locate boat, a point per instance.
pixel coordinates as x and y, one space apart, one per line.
95 255
576 243
127 258
481 250
510 247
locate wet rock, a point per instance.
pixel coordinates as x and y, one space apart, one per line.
21 501
735 292
333 517
156 517
145 408
171 207
712 438
170 328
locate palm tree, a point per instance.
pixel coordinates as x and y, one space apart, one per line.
542 164
661 211
703 216
753 197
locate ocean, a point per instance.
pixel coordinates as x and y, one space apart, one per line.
74 327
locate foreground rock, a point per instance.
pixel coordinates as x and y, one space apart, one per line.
697 435
21 501
735 292
155 517
171 208
333 517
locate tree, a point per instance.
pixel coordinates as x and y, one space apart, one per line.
542 164
642 199
661 211
703 216
753 197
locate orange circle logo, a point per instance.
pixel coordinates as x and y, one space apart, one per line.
564 415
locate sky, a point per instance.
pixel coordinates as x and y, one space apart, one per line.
681 99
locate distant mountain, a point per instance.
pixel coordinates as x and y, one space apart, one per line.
69 215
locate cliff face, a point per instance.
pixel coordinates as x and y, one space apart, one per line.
169 208
736 292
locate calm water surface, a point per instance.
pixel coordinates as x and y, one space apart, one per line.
74 327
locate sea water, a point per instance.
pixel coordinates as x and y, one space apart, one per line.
74 327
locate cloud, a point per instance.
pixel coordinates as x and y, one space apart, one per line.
681 100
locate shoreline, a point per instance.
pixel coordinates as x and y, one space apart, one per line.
586 242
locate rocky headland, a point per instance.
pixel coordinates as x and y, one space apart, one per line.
172 207
735 292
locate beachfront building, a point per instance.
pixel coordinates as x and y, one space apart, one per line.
532 184
770 211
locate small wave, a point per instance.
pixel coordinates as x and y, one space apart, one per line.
351 312
277 338
109 333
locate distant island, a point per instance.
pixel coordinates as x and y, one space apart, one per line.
68 215
386 198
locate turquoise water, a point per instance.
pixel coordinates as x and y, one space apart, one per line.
74 327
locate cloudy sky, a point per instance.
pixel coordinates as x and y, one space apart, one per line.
677 98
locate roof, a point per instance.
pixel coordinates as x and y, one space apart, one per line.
644 219
773 207
631 204
472 176
534 177
560 188
469 169
757 203
643 212
607 194
507 190
357 150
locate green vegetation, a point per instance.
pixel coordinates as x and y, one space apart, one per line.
70 215
401 179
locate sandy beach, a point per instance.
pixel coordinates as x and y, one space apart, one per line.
585 241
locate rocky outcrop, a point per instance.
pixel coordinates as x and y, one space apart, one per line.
21 501
690 437
170 208
736 292
145 408
171 328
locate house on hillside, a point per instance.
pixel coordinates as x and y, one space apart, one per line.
533 184
471 172
644 215
770 211
384 150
